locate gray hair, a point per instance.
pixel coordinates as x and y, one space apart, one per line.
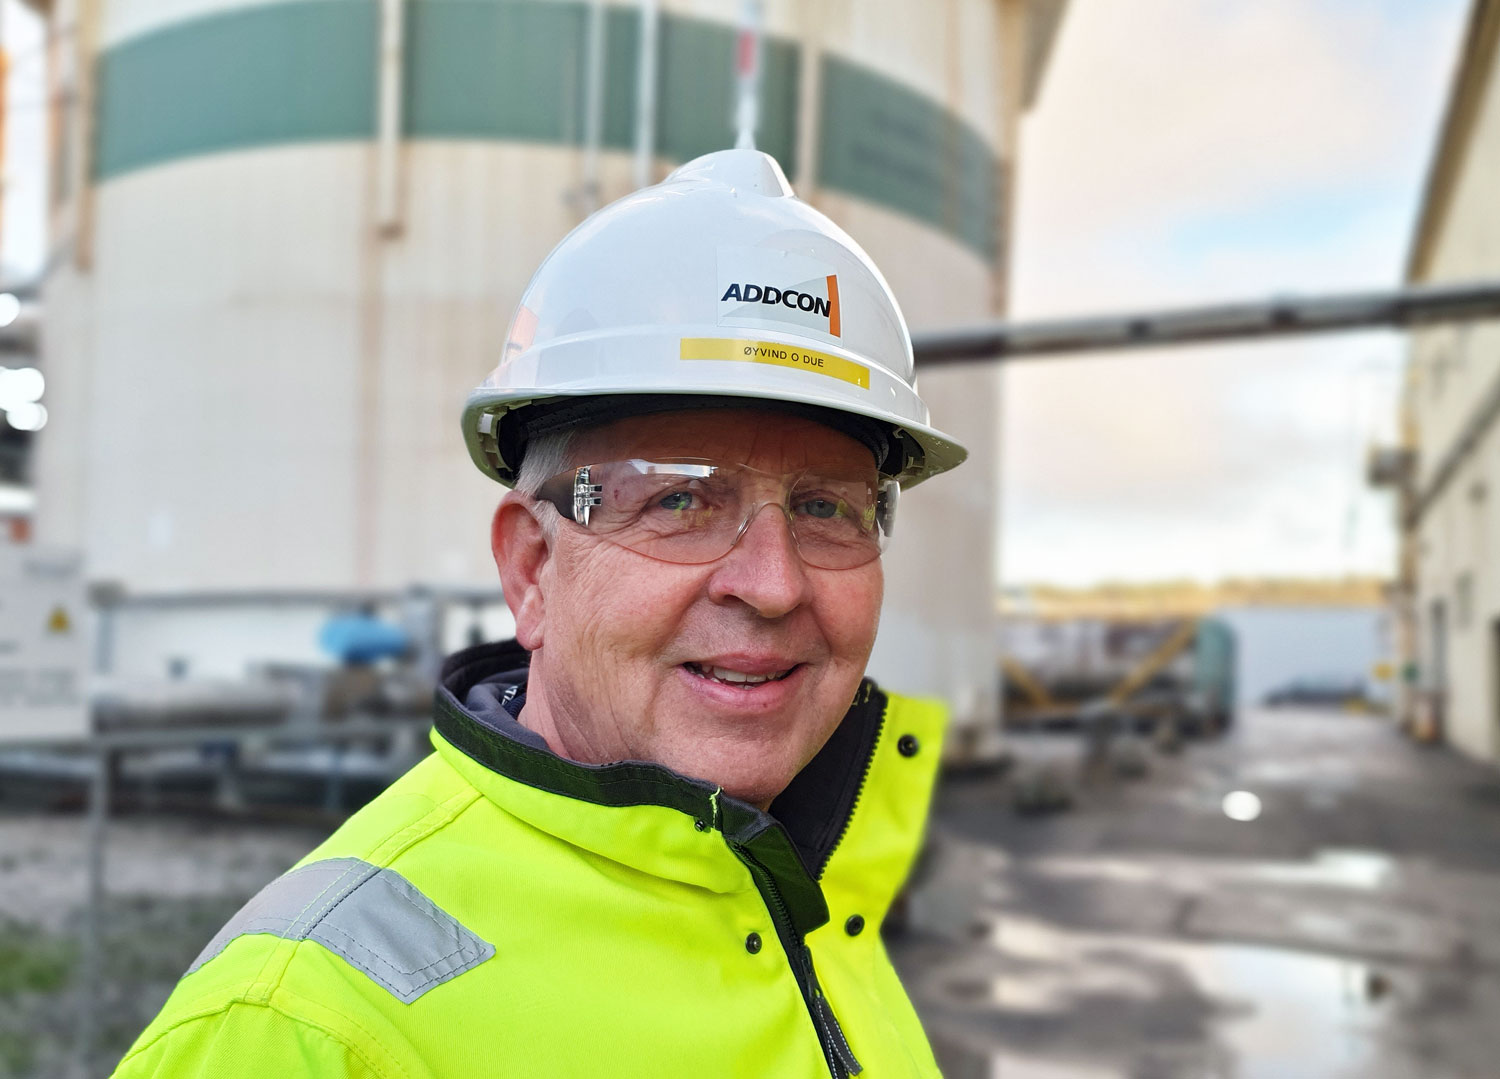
543 458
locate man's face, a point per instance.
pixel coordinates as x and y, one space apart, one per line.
624 645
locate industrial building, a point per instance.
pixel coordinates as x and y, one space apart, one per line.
1448 473
288 238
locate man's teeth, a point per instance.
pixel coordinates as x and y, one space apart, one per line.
736 678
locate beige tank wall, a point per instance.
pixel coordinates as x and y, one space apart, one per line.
252 389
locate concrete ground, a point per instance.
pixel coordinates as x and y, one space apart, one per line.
1352 929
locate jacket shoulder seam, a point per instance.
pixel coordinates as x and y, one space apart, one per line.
302 1020
441 815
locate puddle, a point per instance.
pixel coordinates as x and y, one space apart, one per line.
1333 867
1107 1005
1364 869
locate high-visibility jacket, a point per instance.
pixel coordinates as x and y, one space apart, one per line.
500 911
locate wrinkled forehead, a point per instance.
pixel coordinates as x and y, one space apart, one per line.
766 440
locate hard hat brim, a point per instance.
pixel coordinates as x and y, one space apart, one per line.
485 409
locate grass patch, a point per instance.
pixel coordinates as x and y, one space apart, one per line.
32 962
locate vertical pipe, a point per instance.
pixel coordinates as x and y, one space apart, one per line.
392 64
747 74
91 960
645 95
809 101
1010 58
593 106
4 116
85 56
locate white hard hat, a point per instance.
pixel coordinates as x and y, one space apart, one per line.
716 284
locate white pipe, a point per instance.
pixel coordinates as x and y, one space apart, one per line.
388 116
645 95
747 70
593 106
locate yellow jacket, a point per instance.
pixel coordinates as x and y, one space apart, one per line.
500 911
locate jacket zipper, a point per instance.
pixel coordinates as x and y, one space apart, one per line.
859 792
836 1052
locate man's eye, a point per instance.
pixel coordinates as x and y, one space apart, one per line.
821 507
677 501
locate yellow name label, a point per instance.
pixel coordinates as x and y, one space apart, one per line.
774 352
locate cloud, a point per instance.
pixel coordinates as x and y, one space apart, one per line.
1189 152
1207 462
1160 117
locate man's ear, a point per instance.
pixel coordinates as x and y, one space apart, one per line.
522 551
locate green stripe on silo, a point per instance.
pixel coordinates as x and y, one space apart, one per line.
879 140
488 69
248 77
513 69
696 93
481 69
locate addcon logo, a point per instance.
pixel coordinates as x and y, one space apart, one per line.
761 287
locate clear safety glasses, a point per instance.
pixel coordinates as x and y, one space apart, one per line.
691 510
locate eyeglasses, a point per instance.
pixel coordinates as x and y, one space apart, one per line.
692 510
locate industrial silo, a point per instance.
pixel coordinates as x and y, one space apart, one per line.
288 237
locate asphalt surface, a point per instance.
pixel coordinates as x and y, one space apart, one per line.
1351 929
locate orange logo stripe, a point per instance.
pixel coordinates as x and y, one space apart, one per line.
833 305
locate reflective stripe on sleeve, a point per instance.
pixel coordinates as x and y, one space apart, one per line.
374 919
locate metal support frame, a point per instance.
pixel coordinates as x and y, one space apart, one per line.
1004 340
106 749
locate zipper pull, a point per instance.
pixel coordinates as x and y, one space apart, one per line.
833 1034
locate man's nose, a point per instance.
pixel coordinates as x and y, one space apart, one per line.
764 569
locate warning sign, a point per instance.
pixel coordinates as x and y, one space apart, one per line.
43 691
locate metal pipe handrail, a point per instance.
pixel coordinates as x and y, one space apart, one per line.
1411 306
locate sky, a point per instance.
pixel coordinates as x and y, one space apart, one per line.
1191 151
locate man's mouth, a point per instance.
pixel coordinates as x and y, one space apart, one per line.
730 677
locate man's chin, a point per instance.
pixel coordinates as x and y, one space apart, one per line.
760 795
756 780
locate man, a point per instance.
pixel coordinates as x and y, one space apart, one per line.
662 827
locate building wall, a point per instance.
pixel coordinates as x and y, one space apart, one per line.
1458 583
1454 368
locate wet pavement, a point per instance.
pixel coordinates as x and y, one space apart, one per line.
1351 929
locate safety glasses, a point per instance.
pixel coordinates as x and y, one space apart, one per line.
692 510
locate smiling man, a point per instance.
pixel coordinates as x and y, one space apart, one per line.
662 827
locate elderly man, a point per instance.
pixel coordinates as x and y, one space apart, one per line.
662 827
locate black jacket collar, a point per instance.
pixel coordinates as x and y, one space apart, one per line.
814 810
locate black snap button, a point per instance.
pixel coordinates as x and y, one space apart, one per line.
908 745
855 925
752 943
700 824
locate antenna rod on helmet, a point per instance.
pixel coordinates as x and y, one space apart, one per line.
747 73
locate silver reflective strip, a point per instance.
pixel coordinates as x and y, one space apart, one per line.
372 918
